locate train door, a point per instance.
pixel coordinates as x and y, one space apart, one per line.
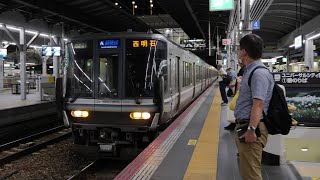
175 79
108 78
194 79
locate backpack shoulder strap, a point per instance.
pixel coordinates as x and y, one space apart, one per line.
251 74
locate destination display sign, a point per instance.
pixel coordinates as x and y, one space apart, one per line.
143 43
109 44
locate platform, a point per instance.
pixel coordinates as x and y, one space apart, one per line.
195 146
13 109
9 100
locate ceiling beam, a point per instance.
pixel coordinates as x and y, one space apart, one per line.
64 12
294 25
291 12
303 5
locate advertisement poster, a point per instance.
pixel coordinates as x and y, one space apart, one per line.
302 91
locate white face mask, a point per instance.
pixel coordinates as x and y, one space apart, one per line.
240 58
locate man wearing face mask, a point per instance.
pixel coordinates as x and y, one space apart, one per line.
252 101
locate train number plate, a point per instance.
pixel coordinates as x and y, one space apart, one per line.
106 147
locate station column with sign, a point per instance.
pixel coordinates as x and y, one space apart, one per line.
1 65
221 5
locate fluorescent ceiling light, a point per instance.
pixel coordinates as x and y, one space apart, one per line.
65 39
278 57
313 37
304 149
35 46
251 2
31 32
13 28
45 35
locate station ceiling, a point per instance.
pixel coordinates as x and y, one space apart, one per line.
83 15
284 16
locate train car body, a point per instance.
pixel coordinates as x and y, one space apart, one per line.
120 88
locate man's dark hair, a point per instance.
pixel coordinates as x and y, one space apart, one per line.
253 44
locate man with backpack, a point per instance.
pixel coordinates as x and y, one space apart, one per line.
252 104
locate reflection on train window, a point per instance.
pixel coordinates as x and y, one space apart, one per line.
80 70
108 75
144 65
187 80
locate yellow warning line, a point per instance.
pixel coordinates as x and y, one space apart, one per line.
203 164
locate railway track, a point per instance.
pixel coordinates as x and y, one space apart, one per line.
83 173
16 149
101 169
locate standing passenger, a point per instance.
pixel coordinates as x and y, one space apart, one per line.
252 101
222 84
231 126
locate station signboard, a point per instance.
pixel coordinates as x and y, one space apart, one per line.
298 42
221 5
226 42
3 52
302 91
51 51
255 25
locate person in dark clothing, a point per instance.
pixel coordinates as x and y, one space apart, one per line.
231 126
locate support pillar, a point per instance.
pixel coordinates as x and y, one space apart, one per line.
44 65
23 59
1 67
209 33
309 56
56 61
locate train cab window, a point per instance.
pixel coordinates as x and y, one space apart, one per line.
108 75
145 64
80 69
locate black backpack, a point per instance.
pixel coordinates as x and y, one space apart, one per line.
227 79
278 120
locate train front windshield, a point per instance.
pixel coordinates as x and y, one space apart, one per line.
145 60
105 75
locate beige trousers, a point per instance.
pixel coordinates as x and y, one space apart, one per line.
251 155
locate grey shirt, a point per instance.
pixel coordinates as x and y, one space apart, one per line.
261 88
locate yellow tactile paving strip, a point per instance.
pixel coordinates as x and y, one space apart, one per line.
203 164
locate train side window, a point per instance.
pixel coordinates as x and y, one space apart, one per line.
187 67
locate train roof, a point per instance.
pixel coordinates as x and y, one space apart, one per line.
96 36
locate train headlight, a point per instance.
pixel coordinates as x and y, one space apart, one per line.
146 115
82 114
140 115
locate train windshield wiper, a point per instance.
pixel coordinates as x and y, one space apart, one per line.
75 97
133 90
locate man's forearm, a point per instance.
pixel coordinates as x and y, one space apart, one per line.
256 112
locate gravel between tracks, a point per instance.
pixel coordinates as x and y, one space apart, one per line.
58 161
